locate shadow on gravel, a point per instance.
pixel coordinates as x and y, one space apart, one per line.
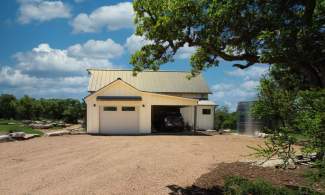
159 134
193 190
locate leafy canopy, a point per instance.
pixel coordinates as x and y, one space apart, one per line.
289 32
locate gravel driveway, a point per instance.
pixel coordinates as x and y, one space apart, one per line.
84 164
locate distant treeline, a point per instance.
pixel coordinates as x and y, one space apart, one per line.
68 110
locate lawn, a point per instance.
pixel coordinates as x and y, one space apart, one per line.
12 125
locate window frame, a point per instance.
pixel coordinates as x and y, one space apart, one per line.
206 109
110 108
128 108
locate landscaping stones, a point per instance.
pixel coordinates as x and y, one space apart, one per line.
29 136
17 135
58 133
5 138
41 126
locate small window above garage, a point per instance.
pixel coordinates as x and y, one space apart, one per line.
110 108
206 111
128 108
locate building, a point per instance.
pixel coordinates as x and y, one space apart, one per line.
121 103
246 123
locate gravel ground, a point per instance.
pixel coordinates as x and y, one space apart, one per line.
84 164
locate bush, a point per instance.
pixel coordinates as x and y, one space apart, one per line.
240 186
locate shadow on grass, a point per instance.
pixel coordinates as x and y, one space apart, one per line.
193 190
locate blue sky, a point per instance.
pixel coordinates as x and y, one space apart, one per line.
47 45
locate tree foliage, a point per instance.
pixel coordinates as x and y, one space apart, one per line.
292 108
69 110
224 119
7 106
245 31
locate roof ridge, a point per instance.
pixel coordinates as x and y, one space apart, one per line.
103 69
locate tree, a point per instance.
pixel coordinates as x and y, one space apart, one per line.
7 106
224 119
284 99
25 108
247 32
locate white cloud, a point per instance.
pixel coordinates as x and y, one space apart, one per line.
251 73
49 72
250 84
46 61
113 17
230 94
185 52
134 43
39 10
97 49
14 81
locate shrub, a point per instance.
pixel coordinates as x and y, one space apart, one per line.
240 186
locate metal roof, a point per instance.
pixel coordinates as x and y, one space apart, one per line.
125 98
149 81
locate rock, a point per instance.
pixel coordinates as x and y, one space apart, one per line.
277 163
26 121
41 126
12 123
299 157
29 136
5 138
226 130
261 135
211 130
17 135
58 133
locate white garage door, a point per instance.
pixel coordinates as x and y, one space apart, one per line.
119 119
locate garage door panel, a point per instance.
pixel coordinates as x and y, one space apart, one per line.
117 121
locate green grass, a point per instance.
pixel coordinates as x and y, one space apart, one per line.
17 126
300 137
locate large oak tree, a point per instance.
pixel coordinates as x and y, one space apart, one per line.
247 32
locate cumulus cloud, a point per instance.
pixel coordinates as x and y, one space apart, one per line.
113 17
251 73
12 80
185 52
229 94
49 72
41 11
134 43
46 61
107 49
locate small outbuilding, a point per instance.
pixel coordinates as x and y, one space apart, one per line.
121 103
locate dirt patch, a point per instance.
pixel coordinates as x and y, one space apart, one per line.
213 181
275 176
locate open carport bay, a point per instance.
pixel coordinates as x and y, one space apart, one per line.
84 164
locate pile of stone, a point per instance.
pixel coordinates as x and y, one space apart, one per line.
17 136
308 159
46 124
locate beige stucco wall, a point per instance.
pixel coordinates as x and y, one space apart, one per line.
205 121
120 88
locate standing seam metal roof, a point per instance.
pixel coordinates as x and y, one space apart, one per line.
149 81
